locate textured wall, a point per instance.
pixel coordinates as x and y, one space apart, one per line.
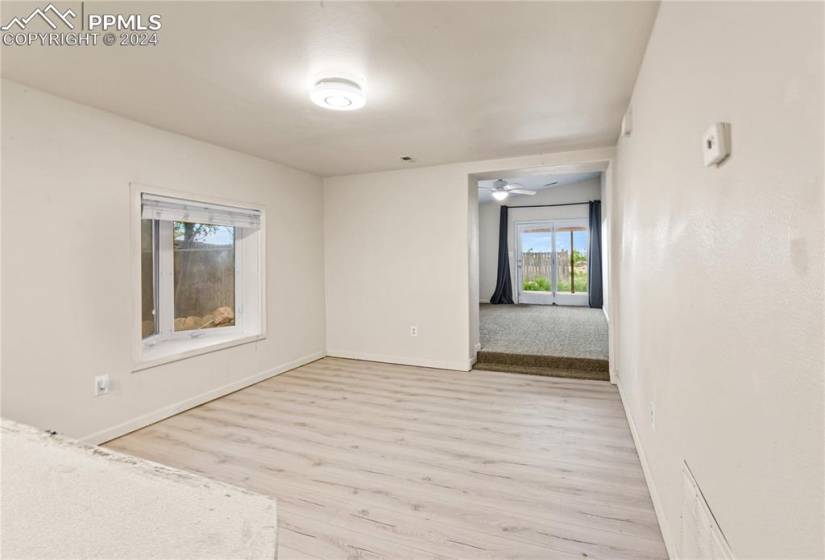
720 311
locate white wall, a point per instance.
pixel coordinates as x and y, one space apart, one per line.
606 209
67 274
720 311
488 224
398 248
473 267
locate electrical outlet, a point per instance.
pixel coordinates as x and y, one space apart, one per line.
652 409
102 385
413 330
716 144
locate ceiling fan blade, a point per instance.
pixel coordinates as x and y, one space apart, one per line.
510 186
551 183
522 191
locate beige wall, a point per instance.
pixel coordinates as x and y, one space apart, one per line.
67 275
488 224
720 311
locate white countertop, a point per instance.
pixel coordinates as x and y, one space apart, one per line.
61 499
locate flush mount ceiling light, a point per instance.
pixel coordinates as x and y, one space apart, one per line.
337 94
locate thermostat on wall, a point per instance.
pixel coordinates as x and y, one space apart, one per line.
716 143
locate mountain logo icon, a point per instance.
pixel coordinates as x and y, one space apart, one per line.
42 13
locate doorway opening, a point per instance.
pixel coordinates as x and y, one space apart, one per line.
543 240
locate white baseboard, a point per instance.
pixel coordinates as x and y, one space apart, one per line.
108 434
403 360
651 486
484 301
606 316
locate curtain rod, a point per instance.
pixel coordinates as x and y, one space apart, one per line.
548 205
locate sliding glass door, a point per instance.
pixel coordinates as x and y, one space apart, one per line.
535 262
552 262
570 253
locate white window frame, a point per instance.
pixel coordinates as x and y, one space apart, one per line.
167 345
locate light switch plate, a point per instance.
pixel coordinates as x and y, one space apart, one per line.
716 143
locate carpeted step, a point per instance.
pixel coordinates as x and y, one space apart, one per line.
553 366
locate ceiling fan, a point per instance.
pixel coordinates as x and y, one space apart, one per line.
502 189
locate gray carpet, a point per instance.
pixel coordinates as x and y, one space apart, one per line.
578 332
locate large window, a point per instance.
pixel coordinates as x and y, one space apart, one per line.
199 275
204 256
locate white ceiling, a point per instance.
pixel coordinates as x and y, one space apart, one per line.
445 82
536 182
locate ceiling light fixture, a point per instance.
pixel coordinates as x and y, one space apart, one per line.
338 94
500 195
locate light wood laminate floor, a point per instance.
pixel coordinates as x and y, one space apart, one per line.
371 460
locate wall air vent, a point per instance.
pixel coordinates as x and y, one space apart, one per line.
701 536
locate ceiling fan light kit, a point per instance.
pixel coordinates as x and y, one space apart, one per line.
502 189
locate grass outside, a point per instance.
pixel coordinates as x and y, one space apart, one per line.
542 284
537 262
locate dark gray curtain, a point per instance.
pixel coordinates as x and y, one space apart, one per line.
504 289
594 275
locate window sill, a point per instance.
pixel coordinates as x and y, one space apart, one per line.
175 350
